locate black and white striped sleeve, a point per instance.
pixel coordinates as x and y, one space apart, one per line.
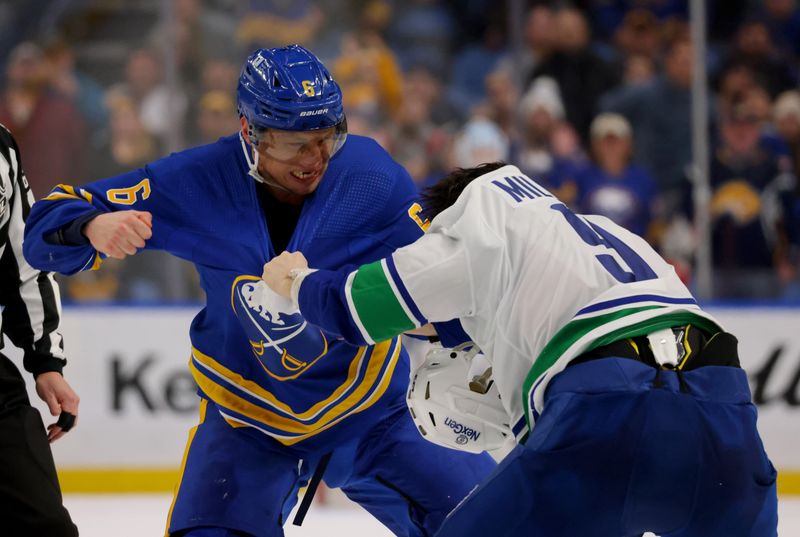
31 303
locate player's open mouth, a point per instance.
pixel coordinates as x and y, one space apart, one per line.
304 176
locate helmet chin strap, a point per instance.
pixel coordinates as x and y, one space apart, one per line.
251 156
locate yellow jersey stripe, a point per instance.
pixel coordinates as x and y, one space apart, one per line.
376 394
192 432
228 399
62 196
258 392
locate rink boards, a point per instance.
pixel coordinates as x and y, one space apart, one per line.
129 366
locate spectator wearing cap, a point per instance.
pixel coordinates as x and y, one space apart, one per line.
611 185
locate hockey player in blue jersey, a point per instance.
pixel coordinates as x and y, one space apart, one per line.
280 399
631 409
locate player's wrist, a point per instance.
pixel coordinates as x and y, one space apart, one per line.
298 275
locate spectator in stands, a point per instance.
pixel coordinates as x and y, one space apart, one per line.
416 142
214 118
660 113
472 64
549 148
502 98
782 18
422 31
582 76
478 142
786 113
219 74
734 82
158 108
84 92
638 70
787 124
639 34
748 197
611 185
128 144
421 79
368 74
198 32
754 48
607 17
540 39
541 110
47 126
268 23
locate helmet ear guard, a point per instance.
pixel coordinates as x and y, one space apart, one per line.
447 412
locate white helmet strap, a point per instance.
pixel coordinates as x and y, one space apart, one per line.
251 157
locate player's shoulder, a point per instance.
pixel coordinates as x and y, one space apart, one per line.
214 160
369 171
364 155
357 143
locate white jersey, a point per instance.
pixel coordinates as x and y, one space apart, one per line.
533 284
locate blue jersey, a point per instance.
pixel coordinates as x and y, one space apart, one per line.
272 372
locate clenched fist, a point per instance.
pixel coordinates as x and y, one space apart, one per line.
279 272
119 234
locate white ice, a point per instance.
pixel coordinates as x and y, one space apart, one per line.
144 516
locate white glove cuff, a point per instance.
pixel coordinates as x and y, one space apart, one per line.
298 275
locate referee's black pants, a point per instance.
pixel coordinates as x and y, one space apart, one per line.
30 497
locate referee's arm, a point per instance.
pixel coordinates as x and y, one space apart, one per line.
32 306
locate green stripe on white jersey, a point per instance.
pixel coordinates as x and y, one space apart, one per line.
375 305
578 329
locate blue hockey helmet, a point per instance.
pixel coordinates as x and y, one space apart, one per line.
288 88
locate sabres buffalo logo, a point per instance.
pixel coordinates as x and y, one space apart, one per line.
281 340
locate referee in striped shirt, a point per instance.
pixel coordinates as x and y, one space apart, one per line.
30 311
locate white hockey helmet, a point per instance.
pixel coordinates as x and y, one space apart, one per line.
447 412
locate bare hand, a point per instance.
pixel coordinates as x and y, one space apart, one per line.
278 272
59 396
119 234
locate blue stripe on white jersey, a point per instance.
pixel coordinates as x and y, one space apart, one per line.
401 289
624 301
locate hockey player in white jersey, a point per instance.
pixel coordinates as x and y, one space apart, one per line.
628 402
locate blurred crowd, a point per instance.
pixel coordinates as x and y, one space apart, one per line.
592 101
